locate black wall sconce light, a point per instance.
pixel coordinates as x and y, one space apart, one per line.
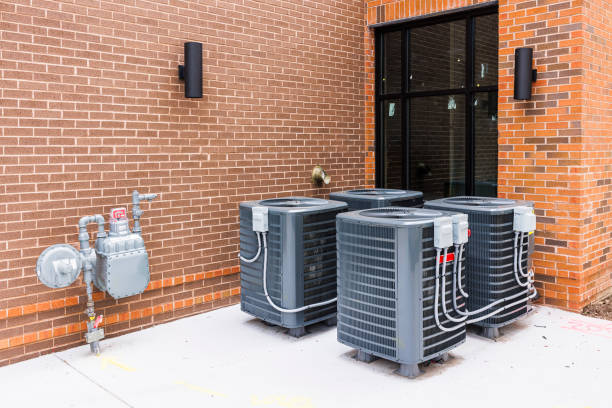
524 74
191 72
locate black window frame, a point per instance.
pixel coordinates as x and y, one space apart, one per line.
405 95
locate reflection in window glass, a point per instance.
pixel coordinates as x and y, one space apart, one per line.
485 131
393 151
437 56
485 50
392 62
437 145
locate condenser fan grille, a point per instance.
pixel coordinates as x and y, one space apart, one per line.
401 213
377 192
293 202
480 201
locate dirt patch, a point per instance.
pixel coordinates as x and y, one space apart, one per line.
601 309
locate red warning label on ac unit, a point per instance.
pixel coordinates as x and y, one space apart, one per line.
449 258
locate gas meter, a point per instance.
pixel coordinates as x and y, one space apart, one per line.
122 263
119 265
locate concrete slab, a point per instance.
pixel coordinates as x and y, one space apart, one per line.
49 381
225 358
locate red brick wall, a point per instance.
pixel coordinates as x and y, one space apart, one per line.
555 150
91 108
597 125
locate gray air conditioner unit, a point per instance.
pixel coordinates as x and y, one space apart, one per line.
378 197
288 261
501 236
388 288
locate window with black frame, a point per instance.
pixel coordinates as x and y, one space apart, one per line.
436 105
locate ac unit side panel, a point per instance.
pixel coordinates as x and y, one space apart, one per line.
319 260
367 318
490 268
490 261
436 341
252 299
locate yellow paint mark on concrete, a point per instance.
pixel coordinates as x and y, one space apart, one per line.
200 389
106 361
282 401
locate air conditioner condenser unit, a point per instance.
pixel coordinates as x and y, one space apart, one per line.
389 285
498 265
288 261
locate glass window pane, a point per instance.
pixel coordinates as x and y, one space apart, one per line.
393 143
437 145
485 130
437 56
392 63
485 50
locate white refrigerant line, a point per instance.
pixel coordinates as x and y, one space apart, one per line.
520 258
265 283
518 267
454 293
436 297
466 314
256 257
461 248
458 266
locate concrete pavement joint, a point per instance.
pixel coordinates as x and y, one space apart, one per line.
109 392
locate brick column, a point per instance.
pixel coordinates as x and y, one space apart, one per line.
554 150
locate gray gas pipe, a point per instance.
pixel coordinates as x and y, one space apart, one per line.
118 265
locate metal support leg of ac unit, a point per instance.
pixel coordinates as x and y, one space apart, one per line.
409 370
491 332
297 332
365 357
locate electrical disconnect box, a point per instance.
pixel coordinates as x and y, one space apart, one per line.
260 219
443 232
460 229
118 265
524 219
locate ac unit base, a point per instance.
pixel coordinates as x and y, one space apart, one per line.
410 370
491 331
328 319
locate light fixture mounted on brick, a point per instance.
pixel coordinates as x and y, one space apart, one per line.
524 74
191 72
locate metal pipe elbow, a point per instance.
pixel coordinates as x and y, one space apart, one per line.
84 235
